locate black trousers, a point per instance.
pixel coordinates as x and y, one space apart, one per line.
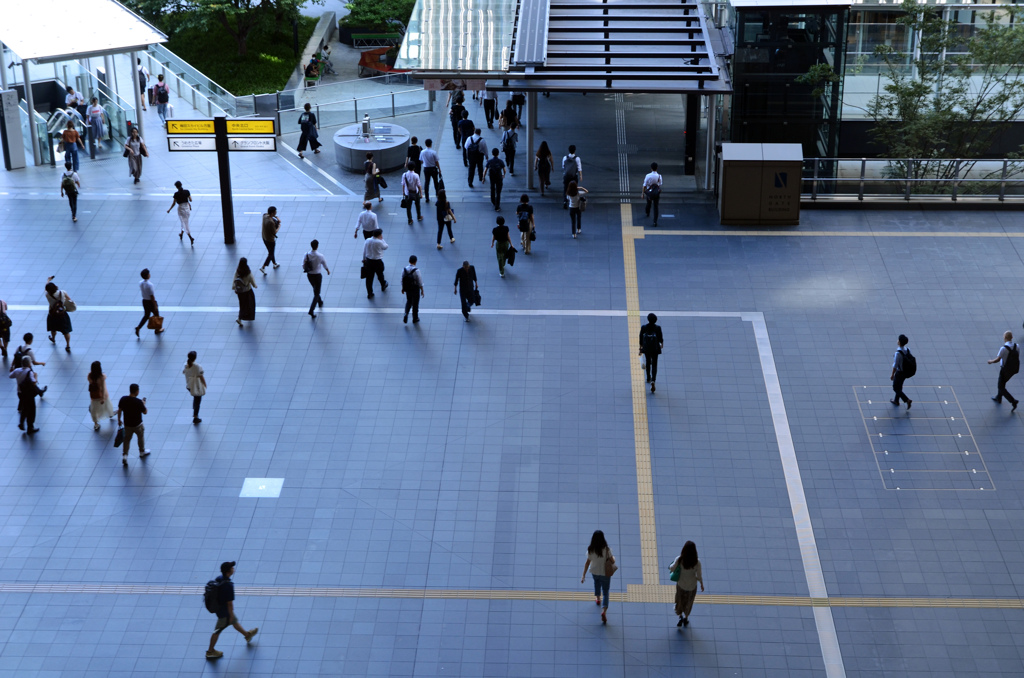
408 210
464 298
510 160
316 280
73 201
428 173
441 223
148 310
652 367
476 162
1002 392
412 301
455 133
897 387
27 409
374 267
496 189
313 143
652 201
270 245
196 401
490 111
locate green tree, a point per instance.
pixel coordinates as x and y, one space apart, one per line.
954 96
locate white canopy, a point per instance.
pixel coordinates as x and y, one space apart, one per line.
57 30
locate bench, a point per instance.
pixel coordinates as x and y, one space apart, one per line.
376 39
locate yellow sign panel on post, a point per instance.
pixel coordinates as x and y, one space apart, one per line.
237 126
189 126
251 126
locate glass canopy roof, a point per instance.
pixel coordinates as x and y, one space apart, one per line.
463 36
54 30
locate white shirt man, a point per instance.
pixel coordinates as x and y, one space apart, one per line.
372 262
412 189
652 191
367 222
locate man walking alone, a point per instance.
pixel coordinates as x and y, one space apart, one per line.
904 366
651 343
311 264
373 250
1009 365
271 225
412 287
225 591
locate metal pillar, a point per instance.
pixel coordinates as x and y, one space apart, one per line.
138 93
3 68
113 75
709 146
531 126
108 67
30 101
692 125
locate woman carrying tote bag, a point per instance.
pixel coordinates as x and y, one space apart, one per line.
58 318
686 574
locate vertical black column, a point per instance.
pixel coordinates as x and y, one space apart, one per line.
692 125
220 130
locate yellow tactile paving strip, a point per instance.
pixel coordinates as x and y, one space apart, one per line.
635 593
644 478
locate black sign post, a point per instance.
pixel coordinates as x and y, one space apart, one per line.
220 132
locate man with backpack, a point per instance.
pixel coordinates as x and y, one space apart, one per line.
69 185
475 149
28 389
651 343
1009 362
652 191
509 138
219 598
572 170
162 94
25 350
496 174
412 288
904 366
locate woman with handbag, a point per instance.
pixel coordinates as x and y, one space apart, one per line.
243 285
577 203
58 318
372 188
135 151
99 397
600 559
445 216
686 574
307 123
195 382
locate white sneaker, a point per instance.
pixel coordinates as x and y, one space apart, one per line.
453 240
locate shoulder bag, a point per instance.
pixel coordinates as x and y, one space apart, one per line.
609 566
69 304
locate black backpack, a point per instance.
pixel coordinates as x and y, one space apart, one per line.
409 281
649 341
18 355
162 95
1011 364
211 595
524 221
570 171
909 368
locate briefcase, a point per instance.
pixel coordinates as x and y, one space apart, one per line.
362 272
119 438
155 322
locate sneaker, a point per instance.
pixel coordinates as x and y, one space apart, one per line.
239 322
249 636
214 654
143 455
263 270
124 460
453 241
277 265
439 247
95 427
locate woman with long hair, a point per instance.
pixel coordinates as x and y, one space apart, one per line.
371 189
135 150
686 572
195 382
574 194
543 163
599 556
57 319
243 286
445 216
99 397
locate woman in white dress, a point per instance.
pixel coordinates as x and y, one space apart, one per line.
99 397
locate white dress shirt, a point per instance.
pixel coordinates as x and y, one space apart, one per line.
652 179
374 248
411 184
316 260
367 221
148 292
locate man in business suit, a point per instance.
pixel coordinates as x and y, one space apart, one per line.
651 343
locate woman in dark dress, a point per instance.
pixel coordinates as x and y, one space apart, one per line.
58 318
372 190
542 163
445 217
243 285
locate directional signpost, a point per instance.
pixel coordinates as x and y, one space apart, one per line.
223 135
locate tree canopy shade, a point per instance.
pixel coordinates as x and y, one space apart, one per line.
238 17
956 94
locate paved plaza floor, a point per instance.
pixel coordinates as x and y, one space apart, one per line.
439 482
